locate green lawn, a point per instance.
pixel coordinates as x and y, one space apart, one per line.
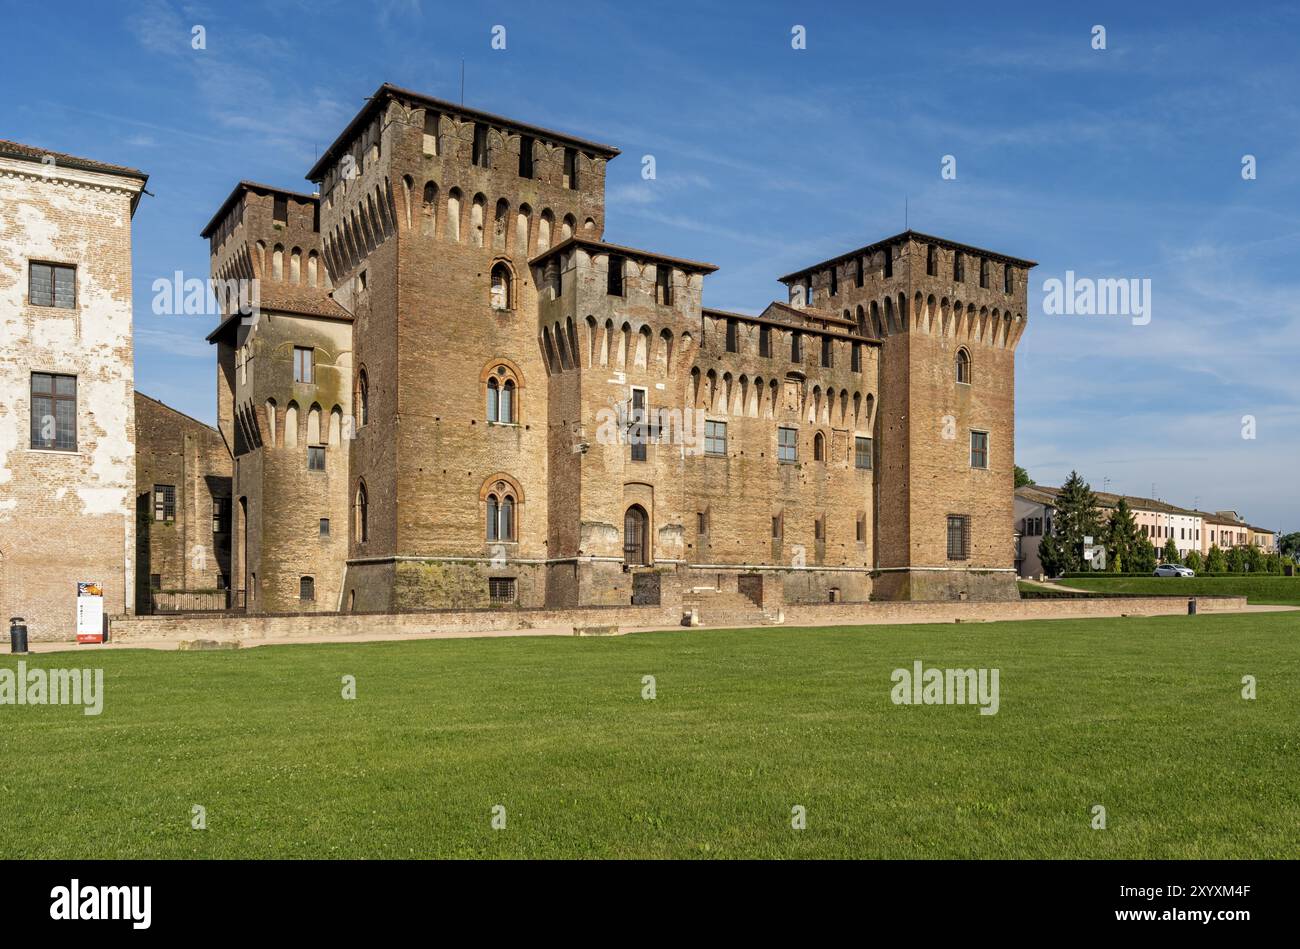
1141 715
1260 589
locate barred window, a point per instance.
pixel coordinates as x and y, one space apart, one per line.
307 588
52 285
164 502
958 536
787 445
54 411
715 438
862 452
501 590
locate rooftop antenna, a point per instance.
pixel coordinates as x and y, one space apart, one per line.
462 82
905 212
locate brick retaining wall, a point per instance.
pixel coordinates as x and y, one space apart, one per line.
225 628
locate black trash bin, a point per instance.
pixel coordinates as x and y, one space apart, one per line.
1191 607
17 634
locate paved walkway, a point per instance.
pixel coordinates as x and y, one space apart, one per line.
1009 616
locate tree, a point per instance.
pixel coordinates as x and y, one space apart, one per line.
1170 553
1121 537
1236 560
1289 545
1075 518
1216 562
1254 559
1272 563
1194 561
1144 556
1052 556
1022 477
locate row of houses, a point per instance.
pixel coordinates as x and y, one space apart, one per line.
1158 521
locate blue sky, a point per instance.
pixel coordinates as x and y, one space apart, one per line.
1124 162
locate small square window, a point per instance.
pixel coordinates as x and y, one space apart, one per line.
52 285
862 452
164 502
315 458
54 412
787 445
304 368
715 438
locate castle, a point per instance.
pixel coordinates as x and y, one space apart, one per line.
456 393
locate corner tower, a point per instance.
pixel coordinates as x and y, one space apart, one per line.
949 317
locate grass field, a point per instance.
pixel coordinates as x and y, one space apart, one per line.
1259 589
1141 715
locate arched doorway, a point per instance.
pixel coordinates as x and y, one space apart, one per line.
636 536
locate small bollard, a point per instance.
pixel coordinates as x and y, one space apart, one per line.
1191 607
17 635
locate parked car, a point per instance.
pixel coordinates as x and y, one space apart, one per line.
1173 570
